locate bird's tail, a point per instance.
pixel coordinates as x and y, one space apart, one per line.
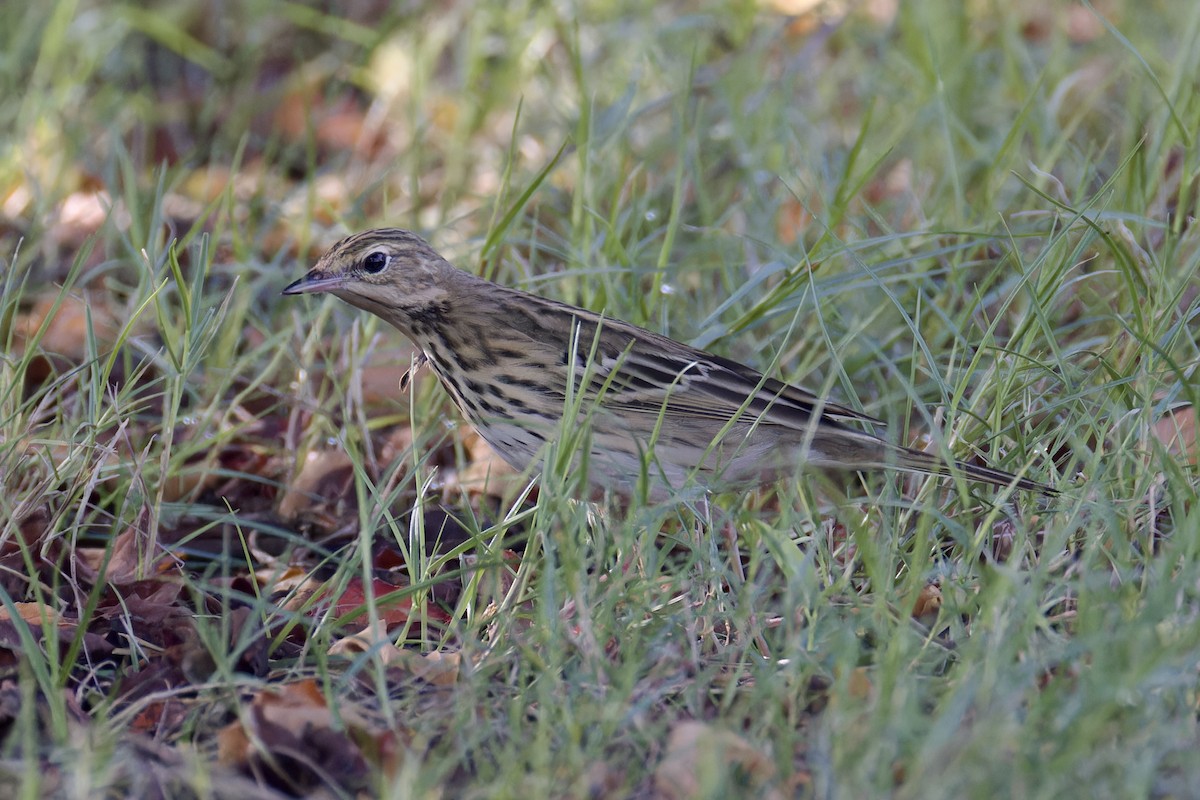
906 458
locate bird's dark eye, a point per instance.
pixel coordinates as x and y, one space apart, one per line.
375 262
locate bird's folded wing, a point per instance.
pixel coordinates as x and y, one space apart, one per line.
708 386
658 375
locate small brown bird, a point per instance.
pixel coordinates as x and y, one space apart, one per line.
512 361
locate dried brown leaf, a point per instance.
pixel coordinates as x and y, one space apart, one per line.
137 555
437 668
325 480
290 734
385 382
80 215
67 326
1082 23
793 219
1177 433
700 756
486 472
395 611
928 602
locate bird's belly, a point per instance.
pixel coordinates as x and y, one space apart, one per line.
624 452
516 444
681 457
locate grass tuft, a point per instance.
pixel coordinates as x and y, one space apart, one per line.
223 526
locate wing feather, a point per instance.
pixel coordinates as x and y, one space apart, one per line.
658 375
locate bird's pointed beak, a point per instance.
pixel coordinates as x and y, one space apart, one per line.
315 282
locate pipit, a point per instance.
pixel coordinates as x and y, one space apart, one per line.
658 410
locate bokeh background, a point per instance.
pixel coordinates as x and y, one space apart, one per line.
236 560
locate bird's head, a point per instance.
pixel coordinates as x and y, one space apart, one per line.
390 272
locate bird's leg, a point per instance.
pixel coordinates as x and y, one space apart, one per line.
704 523
729 533
701 548
419 360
